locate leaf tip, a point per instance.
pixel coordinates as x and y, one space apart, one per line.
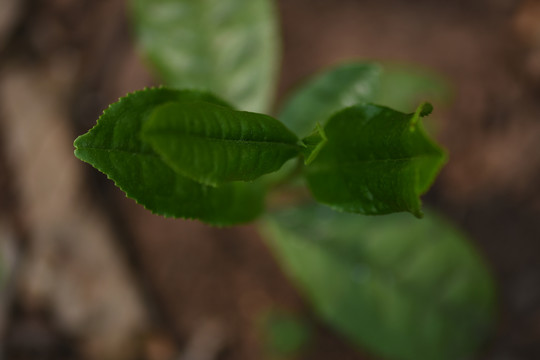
424 109
78 145
418 213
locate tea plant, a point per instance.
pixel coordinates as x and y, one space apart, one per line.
204 149
187 154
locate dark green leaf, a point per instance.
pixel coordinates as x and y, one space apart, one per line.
114 147
404 289
376 161
328 92
215 145
229 47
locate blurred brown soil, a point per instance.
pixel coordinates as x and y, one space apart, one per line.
183 290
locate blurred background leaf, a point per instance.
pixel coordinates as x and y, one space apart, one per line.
327 92
229 47
284 334
399 86
403 86
403 288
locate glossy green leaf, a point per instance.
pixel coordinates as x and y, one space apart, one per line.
114 147
328 92
376 161
404 289
214 145
229 47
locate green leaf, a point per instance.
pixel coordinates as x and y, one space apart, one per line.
228 47
402 288
376 161
402 87
326 93
398 86
214 145
285 334
114 147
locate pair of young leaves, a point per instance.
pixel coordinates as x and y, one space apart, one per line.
188 154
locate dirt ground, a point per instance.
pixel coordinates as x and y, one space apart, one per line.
90 275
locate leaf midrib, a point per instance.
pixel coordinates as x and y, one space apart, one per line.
151 154
340 165
217 139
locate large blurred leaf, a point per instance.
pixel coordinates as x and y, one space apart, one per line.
328 92
403 86
406 289
229 47
114 147
214 145
394 85
375 161
284 334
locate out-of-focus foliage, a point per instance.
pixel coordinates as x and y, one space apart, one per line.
406 289
284 334
229 47
330 91
397 86
402 86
